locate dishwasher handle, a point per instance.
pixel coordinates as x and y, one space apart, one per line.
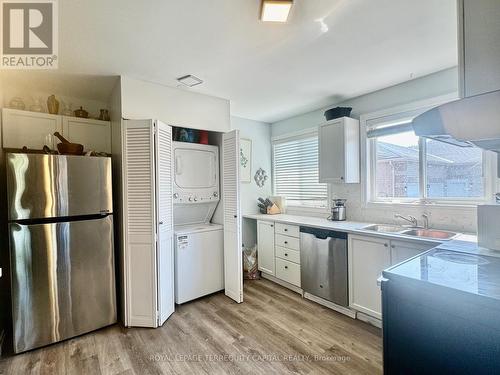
323 234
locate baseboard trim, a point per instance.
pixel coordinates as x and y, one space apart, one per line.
370 320
292 287
340 309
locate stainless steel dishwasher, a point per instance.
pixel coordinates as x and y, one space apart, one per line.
323 264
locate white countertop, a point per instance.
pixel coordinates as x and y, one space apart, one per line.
354 227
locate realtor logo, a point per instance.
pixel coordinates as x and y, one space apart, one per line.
29 34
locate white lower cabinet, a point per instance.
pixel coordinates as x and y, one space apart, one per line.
368 257
404 250
265 246
288 271
279 251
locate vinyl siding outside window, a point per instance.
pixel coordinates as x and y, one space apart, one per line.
406 168
296 171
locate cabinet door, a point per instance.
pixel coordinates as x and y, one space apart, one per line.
481 56
331 152
265 244
368 257
139 224
404 250
165 229
233 257
94 135
30 129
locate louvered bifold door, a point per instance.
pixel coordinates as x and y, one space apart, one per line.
233 267
139 217
165 250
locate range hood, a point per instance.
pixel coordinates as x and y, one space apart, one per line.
473 121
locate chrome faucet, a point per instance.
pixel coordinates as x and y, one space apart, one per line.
426 221
412 220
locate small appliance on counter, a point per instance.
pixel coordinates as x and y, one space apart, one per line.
338 210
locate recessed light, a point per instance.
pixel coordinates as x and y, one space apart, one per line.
190 80
275 10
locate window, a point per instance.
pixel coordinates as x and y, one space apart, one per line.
296 171
406 168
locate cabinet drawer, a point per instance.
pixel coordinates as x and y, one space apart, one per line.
288 271
288 230
288 254
288 242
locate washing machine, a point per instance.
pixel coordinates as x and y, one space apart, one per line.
199 261
199 244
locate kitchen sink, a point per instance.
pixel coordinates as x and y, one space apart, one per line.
430 233
386 228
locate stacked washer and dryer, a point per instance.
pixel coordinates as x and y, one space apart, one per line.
199 244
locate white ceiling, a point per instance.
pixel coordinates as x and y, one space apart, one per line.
268 71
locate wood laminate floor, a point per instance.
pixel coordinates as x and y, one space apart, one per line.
274 331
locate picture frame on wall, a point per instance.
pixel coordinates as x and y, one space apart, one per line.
246 160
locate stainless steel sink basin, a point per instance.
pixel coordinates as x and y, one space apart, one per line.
430 233
386 228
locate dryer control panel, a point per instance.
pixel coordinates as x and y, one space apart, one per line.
192 197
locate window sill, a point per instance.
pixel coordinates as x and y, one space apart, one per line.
448 205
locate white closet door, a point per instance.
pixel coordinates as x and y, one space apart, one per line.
139 217
165 250
233 266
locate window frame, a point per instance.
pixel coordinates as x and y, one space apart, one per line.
369 160
302 134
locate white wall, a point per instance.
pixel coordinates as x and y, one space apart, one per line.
173 106
260 135
437 84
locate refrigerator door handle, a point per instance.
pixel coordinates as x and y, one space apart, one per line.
381 280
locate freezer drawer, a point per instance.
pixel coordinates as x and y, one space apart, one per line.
323 260
63 280
47 186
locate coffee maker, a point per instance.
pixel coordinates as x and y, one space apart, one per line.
338 210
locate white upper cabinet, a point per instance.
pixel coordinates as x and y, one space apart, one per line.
479 31
30 129
339 151
95 135
34 130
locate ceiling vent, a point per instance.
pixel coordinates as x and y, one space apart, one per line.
190 80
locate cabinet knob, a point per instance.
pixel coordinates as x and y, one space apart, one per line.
272 225
393 246
286 242
161 223
286 267
235 216
286 254
341 178
386 245
286 230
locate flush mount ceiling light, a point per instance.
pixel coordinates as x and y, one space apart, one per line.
275 10
190 80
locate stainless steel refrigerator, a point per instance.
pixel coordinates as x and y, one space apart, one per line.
61 247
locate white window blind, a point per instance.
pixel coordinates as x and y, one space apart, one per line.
296 171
